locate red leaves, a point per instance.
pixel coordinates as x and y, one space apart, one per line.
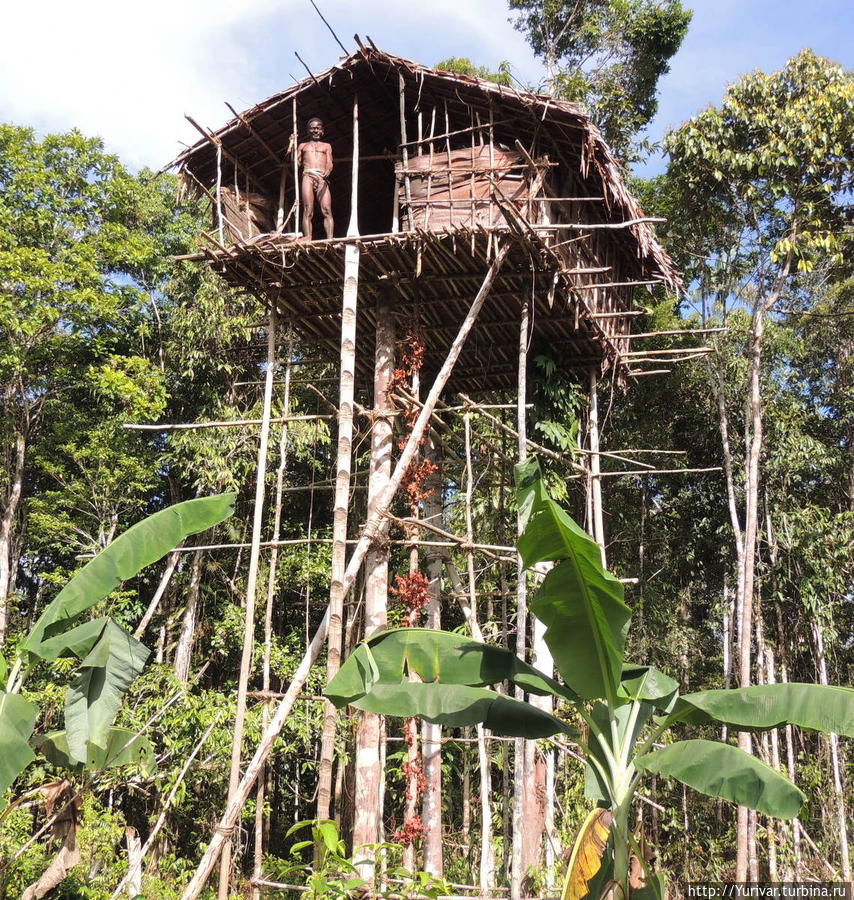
411 590
411 830
413 480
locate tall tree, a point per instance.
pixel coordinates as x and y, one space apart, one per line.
608 54
760 181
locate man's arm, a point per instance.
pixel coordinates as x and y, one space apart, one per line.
328 151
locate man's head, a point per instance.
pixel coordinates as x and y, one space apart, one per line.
315 129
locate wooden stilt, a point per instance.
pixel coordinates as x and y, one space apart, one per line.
258 857
431 734
520 744
342 482
487 851
595 466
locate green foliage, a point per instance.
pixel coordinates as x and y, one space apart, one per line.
765 171
608 54
587 621
110 657
462 65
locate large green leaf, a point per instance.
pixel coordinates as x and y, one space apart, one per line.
121 747
95 695
77 641
17 719
647 683
720 770
762 706
580 602
458 705
389 657
138 547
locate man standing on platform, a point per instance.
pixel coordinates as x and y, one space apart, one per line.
315 157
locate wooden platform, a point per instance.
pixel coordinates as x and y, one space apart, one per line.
433 277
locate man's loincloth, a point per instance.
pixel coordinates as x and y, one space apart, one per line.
317 180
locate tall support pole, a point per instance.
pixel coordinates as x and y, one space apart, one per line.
337 590
431 734
595 465
367 824
251 584
520 745
258 860
487 851
297 192
219 218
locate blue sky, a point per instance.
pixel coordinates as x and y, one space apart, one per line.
128 72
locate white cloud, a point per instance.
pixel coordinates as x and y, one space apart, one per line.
129 72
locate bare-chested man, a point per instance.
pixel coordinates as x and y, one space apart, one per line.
315 157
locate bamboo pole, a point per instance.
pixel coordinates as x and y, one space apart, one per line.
251 583
595 466
258 858
520 744
487 852
337 590
431 733
226 423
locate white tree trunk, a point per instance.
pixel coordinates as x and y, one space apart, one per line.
367 826
431 734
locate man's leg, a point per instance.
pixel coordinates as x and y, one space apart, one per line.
324 196
307 205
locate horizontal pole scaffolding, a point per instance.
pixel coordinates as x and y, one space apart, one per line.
228 423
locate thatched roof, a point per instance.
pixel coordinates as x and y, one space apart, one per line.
258 137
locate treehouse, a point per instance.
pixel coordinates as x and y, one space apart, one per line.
477 223
434 173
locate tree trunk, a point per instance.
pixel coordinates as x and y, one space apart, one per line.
187 635
751 523
7 523
367 825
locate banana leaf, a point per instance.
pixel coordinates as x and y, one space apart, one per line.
389 657
94 696
141 545
458 705
762 706
721 770
580 602
121 746
17 720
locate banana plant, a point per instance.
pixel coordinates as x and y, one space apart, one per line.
627 710
110 657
